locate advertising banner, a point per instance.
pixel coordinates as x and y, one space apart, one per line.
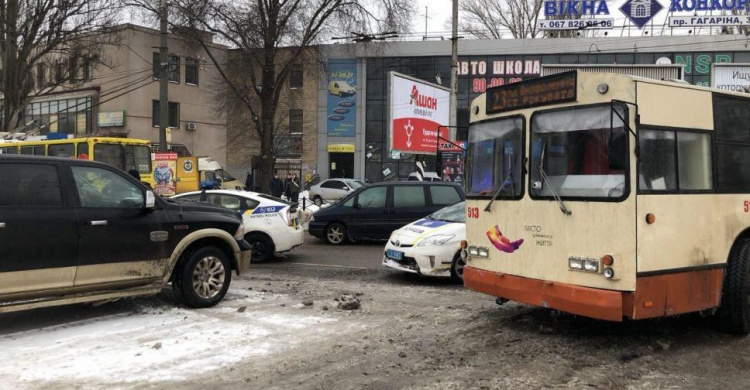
453 167
731 77
416 110
165 166
708 21
342 98
111 118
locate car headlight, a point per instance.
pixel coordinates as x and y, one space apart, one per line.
438 239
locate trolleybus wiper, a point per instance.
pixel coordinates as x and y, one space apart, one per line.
546 181
499 190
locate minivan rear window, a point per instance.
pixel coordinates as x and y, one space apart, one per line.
444 195
409 196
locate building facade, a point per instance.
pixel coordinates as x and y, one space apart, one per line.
482 64
118 94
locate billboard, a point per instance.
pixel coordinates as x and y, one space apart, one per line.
416 110
342 98
731 77
165 166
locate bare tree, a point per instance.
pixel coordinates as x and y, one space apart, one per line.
54 40
270 37
492 19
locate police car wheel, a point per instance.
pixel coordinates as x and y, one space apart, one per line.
336 234
202 277
318 200
457 268
262 247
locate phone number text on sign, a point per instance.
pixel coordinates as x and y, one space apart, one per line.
577 24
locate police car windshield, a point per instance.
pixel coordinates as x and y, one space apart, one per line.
455 213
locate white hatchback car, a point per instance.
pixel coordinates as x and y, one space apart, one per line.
430 246
271 224
333 189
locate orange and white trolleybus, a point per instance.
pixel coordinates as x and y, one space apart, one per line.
612 197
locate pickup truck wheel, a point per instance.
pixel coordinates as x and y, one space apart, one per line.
318 200
202 279
336 234
734 312
262 247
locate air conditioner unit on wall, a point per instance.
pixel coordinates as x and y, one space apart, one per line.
191 126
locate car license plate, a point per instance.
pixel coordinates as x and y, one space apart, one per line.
394 255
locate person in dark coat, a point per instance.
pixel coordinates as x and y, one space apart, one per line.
277 186
249 181
292 188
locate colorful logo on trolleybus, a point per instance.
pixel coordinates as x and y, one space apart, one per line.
501 242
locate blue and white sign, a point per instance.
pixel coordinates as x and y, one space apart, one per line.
560 15
575 7
641 12
342 98
709 5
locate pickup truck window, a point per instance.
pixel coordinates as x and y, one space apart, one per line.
100 188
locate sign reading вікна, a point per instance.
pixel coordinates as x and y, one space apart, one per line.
561 15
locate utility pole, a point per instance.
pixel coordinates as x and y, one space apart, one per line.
163 79
454 68
424 38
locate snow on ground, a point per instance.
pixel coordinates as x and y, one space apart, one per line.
167 343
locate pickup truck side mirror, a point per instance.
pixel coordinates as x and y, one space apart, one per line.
150 200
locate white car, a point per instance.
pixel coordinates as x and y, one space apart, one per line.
430 246
271 225
333 189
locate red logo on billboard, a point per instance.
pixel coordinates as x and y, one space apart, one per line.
422 100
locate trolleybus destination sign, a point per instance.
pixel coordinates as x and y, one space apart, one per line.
559 88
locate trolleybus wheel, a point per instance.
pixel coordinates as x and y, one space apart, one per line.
735 298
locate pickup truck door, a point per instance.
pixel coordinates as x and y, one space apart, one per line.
38 236
120 241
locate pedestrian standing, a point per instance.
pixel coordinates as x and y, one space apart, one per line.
277 186
294 189
288 187
249 181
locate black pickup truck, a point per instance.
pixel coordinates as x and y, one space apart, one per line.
79 231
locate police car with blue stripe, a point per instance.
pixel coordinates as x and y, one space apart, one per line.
271 225
430 246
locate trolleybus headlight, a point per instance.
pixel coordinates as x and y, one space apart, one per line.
473 251
608 260
483 252
575 263
591 265
609 273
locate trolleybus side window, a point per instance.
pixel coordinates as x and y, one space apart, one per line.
674 160
138 157
83 149
37 150
732 128
8 150
581 151
496 155
61 150
111 154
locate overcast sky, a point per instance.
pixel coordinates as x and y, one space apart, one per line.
438 12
